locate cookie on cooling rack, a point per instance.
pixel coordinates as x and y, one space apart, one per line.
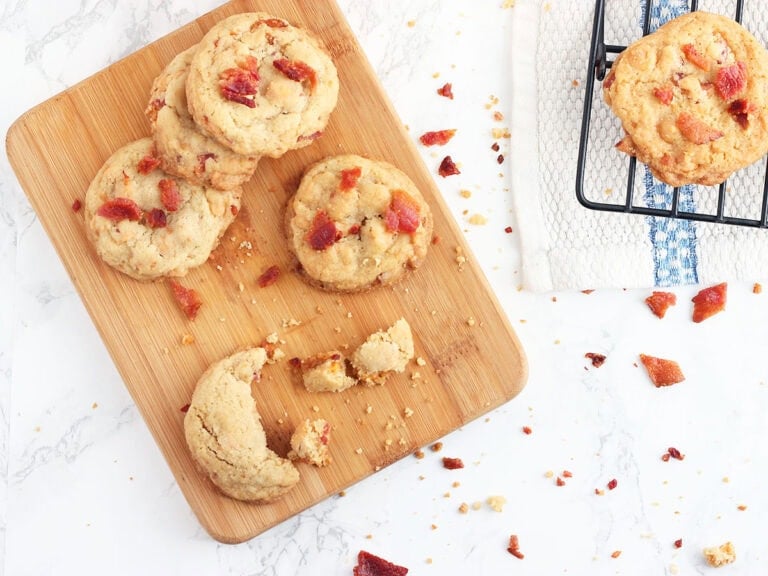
183 150
692 98
225 436
356 223
148 224
261 86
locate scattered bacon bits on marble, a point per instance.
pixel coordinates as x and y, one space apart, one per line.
268 277
188 299
615 553
559 481
513 547
661 371
500 159
659 302
612 484
446 90
679 543
675 453
741 507
452 463
527 430
370 565
588 291
597 359
757 288
448 167
437 137
77 205
508 229
709 301
567 474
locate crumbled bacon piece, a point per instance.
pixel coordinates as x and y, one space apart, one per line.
154 107
437 137
731 80
679 543
156 218
296 70
609 80
514 547
119 208
508 229
170 197
757 288
659 302
495 147
185 408
612 484
709 301
740 110
527 430
313 136
695 57
695 130
597 359
354 229
242 83
559 481
77 205
202 159
664 95
446 90
662 372
268 277
349 178
403 213
188 299
233 209
567 474
615 553
323 232
371 565
447 167
452 463
675 453
147 164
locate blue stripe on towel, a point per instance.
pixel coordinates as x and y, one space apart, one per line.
673 241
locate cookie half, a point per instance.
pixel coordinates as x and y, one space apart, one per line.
148 224
356 223
182 148
692 99
261 86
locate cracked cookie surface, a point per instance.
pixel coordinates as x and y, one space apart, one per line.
224 433
356 223
148 224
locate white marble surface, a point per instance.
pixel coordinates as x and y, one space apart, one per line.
86 491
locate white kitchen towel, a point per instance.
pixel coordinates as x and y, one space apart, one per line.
567 246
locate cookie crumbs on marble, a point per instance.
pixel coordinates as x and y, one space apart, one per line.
717 556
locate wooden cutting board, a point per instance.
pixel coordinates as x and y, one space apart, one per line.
474 361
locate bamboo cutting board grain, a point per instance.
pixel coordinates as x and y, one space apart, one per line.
474 361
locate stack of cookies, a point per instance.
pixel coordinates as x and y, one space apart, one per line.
253 86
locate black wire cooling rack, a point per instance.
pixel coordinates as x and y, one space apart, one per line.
676 205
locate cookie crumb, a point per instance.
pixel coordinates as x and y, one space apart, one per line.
615 553
358 451
419 454
187 339
720 555
496 503
463 508
436 447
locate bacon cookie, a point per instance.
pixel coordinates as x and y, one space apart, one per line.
148 224
182 148
692 99
261 86
356 223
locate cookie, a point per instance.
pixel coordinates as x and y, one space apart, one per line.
309 443
261 86
356 223
182 148
224 433
692 98
148 224
326 372
383 353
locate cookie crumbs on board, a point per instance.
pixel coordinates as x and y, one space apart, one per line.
419 454
436 447
187 339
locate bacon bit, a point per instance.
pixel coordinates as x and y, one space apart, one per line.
325 434
597 359
452 463
323 232
370 565
662 372
295 362
731 80
313 136
495 147
626 145
527 430
615 553
234 209
349 178
757 288
709 302
436 447
675 453
665 457
514 547
609 80
437 138
678 543
664 95
187 298
559 481
741 507
588 291
659 302
508 229
296 70
185 408
170 196
77 205
695 57
156 218
118 209
447 168
354 229
612 484
268 277
403 213
154 107
147 164
567 474
202 159
242 83
446 90
740 110
695 130
500 159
